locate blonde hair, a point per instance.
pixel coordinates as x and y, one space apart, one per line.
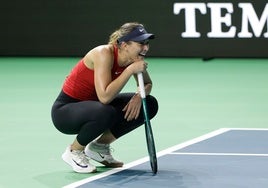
122 31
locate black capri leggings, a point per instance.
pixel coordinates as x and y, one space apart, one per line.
89 119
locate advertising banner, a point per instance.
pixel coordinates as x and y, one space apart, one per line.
203 29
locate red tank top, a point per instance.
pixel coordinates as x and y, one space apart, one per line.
80 85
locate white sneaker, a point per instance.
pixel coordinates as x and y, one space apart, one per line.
102 154
78 161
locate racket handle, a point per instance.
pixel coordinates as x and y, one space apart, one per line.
141 85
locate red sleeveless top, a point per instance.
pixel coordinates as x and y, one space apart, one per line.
79 84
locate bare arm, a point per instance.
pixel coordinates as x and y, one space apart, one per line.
132 109
147 82
106 88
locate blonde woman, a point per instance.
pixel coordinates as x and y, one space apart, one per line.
90 104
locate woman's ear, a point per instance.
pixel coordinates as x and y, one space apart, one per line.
122 45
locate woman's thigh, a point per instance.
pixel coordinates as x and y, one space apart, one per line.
69 118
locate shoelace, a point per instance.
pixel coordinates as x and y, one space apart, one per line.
108 150
81 156
105 149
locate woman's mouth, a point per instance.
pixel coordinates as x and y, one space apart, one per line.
142 54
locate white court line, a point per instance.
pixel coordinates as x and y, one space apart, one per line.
107 173
248 129
222 154
145 159
161 153
193 141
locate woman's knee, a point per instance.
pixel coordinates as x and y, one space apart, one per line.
152 105
106 115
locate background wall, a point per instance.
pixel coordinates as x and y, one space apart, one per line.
72 27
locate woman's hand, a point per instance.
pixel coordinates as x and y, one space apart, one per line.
138 66
132 109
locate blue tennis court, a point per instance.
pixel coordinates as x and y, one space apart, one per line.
223 158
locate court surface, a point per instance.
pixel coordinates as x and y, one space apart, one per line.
223 158
196 98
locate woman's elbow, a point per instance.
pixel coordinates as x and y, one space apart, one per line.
104 100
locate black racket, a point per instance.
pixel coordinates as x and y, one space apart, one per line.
148 128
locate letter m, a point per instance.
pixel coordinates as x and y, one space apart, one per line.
249 17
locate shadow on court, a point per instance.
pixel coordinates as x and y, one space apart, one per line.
209 162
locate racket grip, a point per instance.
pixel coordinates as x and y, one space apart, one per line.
141 85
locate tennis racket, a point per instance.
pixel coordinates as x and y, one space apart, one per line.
148 128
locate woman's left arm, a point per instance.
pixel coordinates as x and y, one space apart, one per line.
148 84
132 109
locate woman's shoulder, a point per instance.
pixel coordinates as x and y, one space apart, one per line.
103 49
102 53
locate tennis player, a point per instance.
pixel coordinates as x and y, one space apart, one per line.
90 104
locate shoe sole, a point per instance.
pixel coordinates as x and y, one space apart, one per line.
110 165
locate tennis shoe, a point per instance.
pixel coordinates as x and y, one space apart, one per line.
102 154
78 161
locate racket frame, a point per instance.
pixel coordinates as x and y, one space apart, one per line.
148 128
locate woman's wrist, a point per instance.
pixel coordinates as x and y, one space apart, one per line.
137 94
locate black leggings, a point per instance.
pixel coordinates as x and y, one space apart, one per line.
89 119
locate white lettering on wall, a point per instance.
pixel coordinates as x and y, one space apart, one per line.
217 20
190 17
221 15
249 16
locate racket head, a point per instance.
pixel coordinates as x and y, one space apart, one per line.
151 148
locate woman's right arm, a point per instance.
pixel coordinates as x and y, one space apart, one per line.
106 88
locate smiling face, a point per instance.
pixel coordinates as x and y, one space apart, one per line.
132 51
138 49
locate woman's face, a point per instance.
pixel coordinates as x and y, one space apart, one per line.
137 50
